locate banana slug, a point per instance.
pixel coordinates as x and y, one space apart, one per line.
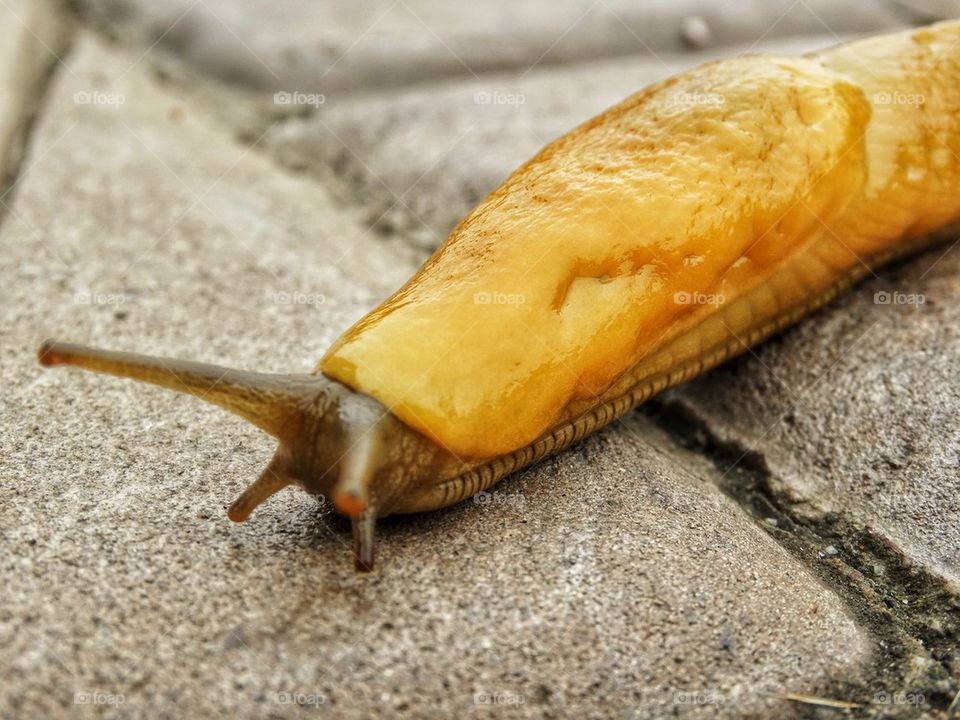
651 243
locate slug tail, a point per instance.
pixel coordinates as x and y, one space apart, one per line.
267 401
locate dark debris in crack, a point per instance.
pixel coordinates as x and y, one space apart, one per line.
912 615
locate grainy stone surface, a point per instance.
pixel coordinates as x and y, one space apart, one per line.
332 46
928 10
856 410
31 37
611 581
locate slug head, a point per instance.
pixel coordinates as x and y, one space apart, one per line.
333 441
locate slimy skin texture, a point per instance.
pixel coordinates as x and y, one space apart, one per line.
780 174
667 234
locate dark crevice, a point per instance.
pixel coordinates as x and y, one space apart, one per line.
911 614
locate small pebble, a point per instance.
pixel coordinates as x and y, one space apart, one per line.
695 32
828 551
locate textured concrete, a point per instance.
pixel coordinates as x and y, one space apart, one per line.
856 411
32 36
332 46
928 10
615 580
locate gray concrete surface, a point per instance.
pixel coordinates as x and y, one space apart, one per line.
625 578
335 47
32 34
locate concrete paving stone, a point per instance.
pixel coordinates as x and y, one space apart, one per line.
32 36
609 581
423 157
330 46
855 411
930 10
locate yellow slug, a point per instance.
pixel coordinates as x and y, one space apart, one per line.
659 238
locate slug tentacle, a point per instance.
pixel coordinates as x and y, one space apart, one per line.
363 528
268 401
274 478
359 466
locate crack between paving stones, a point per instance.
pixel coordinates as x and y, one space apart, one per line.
909 612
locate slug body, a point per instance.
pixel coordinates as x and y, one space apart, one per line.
658 239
